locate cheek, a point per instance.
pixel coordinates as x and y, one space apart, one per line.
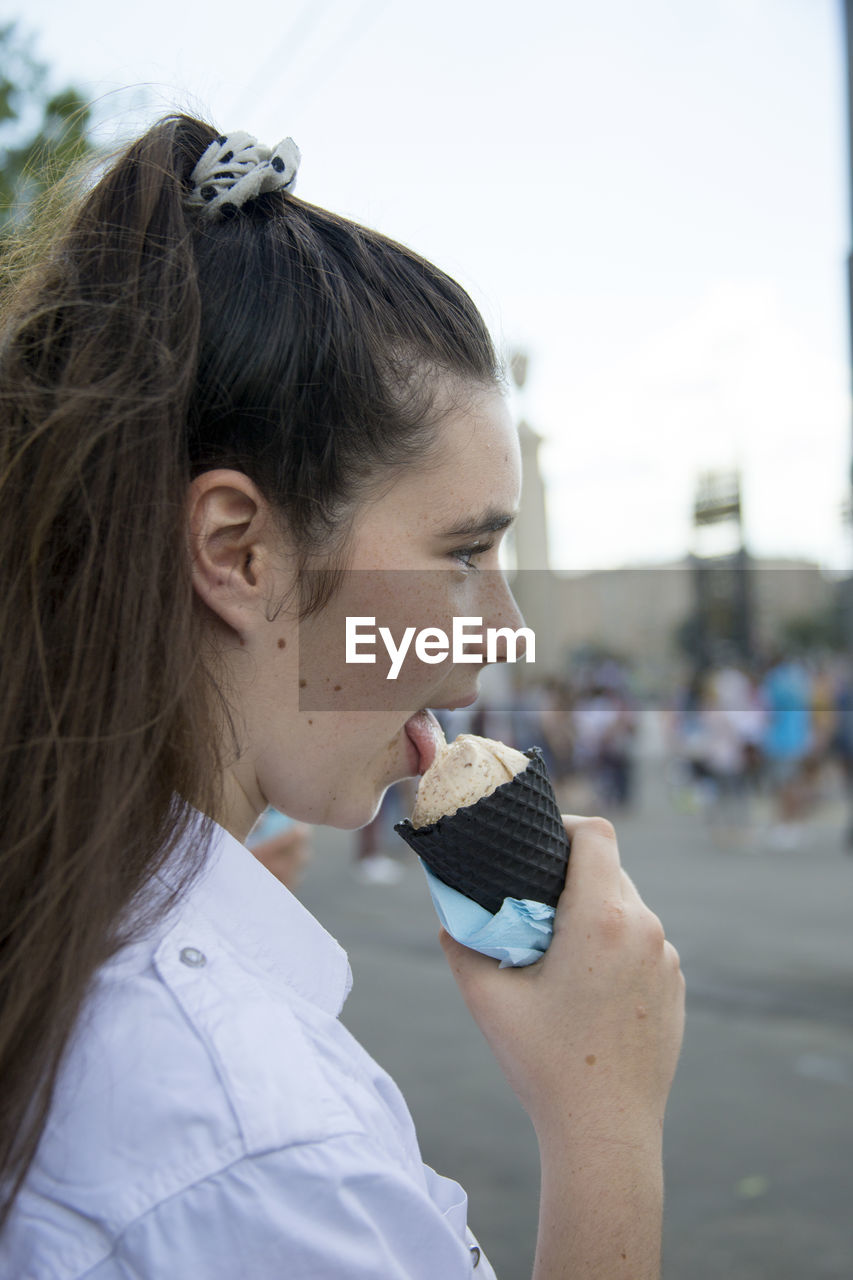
367 634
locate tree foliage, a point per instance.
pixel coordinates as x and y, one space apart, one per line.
42 132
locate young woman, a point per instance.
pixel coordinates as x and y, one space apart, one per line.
219 404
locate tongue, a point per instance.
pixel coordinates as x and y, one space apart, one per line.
425 732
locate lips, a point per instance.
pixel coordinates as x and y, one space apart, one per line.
424 732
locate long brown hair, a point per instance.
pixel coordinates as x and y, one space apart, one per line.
148 344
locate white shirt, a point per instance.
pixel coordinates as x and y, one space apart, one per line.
215 1121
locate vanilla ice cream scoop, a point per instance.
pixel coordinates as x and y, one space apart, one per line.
462 772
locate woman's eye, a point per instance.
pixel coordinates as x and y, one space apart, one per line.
466 555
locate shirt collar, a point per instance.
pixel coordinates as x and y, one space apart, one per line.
262 921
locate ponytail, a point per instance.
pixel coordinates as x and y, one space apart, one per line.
103 709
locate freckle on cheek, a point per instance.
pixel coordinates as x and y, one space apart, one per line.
590 1059
302 684
641 1011
310 721
282 644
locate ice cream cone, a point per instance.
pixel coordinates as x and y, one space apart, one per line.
509 844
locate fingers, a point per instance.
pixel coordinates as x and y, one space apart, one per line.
599 894
672 957
595 840
630 892
594 867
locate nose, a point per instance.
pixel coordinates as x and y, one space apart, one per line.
502 616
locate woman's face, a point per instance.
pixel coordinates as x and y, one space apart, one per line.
324 738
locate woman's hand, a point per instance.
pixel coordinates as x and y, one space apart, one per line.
589 1036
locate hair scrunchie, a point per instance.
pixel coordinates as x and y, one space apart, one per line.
236 168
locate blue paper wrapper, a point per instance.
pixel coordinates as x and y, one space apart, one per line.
518 934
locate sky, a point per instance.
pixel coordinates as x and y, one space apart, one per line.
649 197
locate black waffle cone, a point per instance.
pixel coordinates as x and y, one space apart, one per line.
511 844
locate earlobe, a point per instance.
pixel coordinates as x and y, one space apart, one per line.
228 523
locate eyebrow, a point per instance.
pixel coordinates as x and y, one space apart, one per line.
491 521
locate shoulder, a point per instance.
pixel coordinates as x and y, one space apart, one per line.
187 1029
211 1096
189 1059
213 1122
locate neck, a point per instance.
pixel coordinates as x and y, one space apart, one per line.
239 811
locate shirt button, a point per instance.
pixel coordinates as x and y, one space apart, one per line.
474 1250
192 957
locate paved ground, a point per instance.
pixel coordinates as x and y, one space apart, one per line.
759 1153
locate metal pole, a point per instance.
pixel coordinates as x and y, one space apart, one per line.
845 587
848 46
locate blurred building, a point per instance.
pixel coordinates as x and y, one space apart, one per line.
531 581
722 572
643 616
663 617
715 603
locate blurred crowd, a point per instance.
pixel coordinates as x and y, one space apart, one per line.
781 730
586 727
771 738
742 745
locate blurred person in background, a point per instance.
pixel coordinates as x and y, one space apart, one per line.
735 720
824 724
557 725
690 740
372 863
604 728
788 739
282 846
843 739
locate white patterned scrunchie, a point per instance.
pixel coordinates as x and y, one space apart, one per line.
236 168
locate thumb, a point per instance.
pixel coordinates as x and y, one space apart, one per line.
467 966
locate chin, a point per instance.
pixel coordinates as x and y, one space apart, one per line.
359 791
355 811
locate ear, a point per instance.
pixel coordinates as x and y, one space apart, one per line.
235 548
